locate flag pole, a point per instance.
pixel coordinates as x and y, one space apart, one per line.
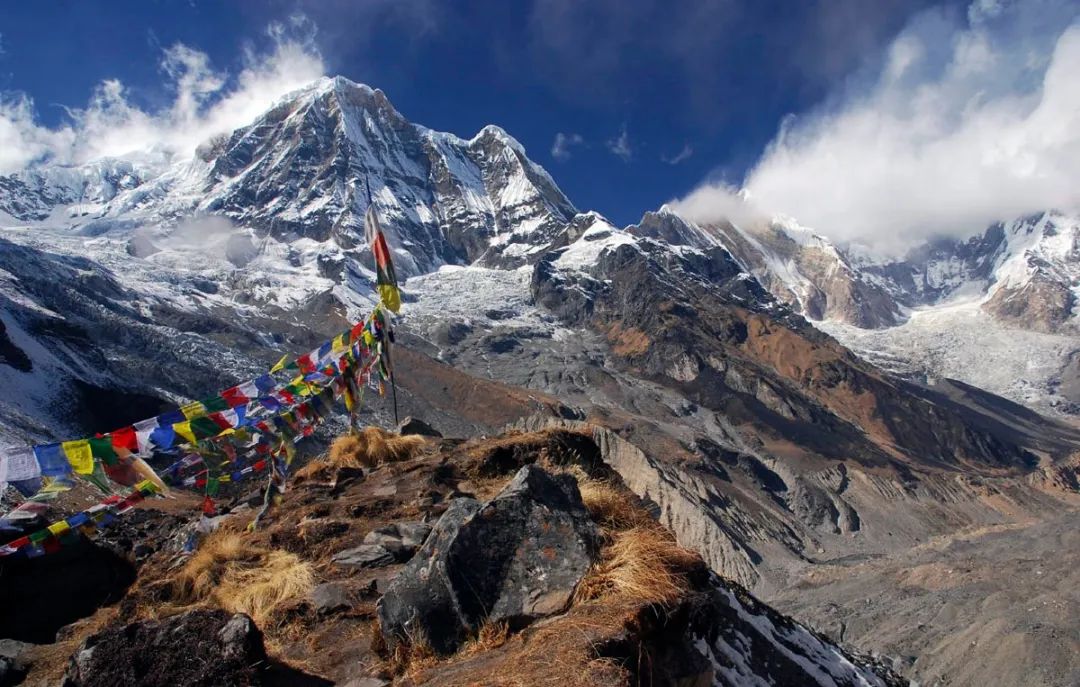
387 337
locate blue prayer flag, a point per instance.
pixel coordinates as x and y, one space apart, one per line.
52 460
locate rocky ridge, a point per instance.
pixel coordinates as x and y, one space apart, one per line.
705 630
776 448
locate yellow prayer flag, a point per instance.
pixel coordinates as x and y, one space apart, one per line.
79 455
184 430
193 410
280 365
59 528
340 343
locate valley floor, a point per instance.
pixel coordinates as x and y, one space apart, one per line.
989 606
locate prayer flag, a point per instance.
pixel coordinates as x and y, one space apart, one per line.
385 279
306 363
51 545
193 410
79 456
125 438
58 528
78 520
215 404
280 365
204 428
143 431
235 397
52 461
102 448
184 430
19 464
264 383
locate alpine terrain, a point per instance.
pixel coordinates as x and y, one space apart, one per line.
789 410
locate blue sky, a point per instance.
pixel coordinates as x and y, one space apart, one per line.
651 98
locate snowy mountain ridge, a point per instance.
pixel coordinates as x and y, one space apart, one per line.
973 309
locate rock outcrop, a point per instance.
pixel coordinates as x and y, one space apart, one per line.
200 648
514 559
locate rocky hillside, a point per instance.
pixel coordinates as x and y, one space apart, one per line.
768 447
969 309
515 560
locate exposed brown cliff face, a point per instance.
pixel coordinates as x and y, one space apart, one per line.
728 346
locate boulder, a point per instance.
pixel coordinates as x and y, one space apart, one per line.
516 559
401 538
366 682
13 664
364 556
330 597
411 425
205 647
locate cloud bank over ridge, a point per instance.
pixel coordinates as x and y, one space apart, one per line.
205 102
970 120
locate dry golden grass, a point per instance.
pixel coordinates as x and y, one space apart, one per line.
491 636
642 564
315 470
231 573
611 507
409 658
373 447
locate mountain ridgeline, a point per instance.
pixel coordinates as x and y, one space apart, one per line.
764 443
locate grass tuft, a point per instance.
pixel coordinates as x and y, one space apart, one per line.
491 636
233 574
612 507
642 564
373 447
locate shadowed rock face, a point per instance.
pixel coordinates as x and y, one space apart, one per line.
514 559
197 648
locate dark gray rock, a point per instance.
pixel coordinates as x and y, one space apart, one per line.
411 425
13 665
205 647
516 558
401 539
330 597
450 333
240 250
366 682
365 556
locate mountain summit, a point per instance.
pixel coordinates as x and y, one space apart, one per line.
764 443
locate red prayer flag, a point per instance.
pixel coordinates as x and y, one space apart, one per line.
307 365
19 543
221 421
125 438
51 545
235 397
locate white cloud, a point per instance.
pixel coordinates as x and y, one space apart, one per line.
620 146
967 123
563 145
681 156
205 103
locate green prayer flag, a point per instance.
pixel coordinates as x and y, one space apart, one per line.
215 404
102 448
204 427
